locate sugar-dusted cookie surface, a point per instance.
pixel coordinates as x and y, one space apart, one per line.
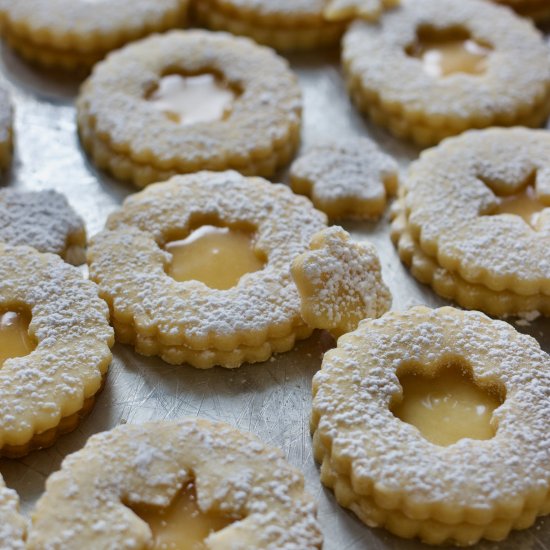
75 34
95 500
351 178
421 475
43 220
13 526
340 282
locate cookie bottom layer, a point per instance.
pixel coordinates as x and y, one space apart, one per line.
419 130
453 287
49 437
428 530
298 38
206 359
123 168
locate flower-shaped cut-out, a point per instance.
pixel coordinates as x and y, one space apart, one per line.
337 10
340 282
351 179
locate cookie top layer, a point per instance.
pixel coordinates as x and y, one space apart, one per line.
452 192
517 72
388 458
86 504
128 263
70 325
41 219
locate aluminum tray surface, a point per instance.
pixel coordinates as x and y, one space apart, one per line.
272 399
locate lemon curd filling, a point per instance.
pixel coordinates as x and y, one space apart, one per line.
182 526
446 53
525 204
189 100
15 340
215 256
447 407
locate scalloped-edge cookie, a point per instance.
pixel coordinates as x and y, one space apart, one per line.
395 76
128 135
188 320
6 129
75 34
90 502
340 282
348 179
13 526
478 206
43 220
386 471
47 390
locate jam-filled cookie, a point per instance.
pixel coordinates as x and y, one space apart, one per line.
73 34
433 424
43 220
434 68
473 220
539 10
54 348
6 129
13 526
188 101
348 179
197 269
340 282
185 484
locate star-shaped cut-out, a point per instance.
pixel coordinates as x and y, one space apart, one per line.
371 10
349 179
340 282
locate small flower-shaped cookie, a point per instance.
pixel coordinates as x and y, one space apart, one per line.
371 10
340 282
349 179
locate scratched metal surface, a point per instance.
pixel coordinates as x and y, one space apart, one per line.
271 399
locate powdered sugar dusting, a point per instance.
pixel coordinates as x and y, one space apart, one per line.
12 524
148 464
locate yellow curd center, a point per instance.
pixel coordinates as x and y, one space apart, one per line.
443 54
191 99
216 256
525 204
14 335
447 407
182 526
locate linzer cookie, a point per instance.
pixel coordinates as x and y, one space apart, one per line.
185 484
473 220
539 10
433 424
13 526
73 34
197 269
43 220
348 179
435 68
187 101
340 282
6 129
54 353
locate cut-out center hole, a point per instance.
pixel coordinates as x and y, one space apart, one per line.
447 407
215 256
449 51
15 340
182 526
192 99
525 204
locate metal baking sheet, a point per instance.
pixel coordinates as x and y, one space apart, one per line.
272 399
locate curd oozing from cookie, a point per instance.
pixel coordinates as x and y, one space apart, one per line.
447 52
215 256
525 204
182 526
446 407
189 100
15 340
